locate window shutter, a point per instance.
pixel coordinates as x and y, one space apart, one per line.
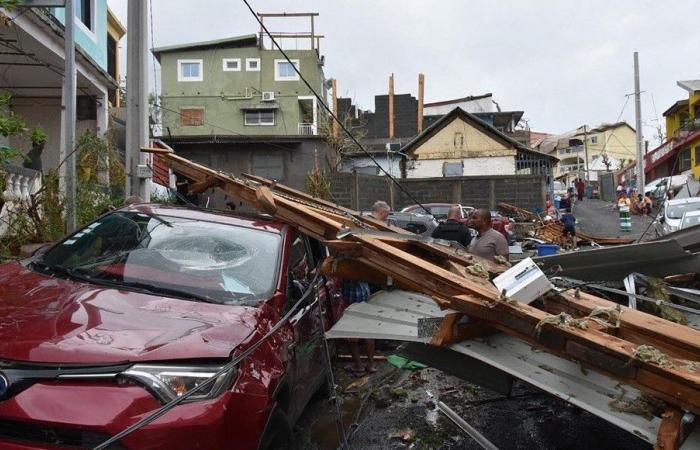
192 117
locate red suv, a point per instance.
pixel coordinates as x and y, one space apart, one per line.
146 303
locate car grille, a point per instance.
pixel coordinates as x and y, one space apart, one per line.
59 436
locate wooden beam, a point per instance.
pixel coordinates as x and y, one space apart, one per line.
391 107
669 435
201 186
421 87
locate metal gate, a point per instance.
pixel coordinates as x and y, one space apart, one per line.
607 186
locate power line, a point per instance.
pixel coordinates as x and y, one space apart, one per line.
328 109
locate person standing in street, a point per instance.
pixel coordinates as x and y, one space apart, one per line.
580 189
623 205
569 222
489 243
452 229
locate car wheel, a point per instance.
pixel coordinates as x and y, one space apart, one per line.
278 434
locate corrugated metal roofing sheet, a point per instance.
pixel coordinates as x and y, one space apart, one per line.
394 315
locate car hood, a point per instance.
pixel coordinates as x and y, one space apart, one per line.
53 320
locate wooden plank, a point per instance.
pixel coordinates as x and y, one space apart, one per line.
264 200
637 326
201 186
669 436
594 348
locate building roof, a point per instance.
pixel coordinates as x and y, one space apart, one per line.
248 40
473 120
605 127
690 85
115 23
675 107
458 100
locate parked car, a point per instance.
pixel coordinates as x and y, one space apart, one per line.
690 219
144 304
438 210
657 189
422 224
673 212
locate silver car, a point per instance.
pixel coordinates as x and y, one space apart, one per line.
673 212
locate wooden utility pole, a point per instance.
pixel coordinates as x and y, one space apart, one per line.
391 106
421 86
336 125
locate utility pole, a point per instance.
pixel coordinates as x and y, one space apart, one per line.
421 88
638 125
585 153
138 176
69 103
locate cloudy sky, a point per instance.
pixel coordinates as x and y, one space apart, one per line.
564 63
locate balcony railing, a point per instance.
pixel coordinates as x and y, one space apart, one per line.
574 149
20 185
307 129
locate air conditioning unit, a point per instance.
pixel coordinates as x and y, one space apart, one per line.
268 96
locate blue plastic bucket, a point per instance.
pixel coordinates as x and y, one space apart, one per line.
547 249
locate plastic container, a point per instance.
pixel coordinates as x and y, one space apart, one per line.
547 249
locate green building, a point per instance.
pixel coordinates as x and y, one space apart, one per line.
235 87
236 106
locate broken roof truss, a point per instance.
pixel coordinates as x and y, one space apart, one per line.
599 334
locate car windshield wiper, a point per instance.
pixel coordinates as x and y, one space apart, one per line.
154 289
145 288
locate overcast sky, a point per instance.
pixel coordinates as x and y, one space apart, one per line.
564 63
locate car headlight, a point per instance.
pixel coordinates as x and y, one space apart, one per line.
170 382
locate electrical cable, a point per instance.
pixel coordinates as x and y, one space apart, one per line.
229 366
329 111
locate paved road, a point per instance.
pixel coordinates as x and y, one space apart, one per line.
601 219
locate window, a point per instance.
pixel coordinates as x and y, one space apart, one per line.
232 64
260 117
697 155
83 11
455 169
252 64
284 71
459 140
191 117
269 165
684 160
189 70
594 139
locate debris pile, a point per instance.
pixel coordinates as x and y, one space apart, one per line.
610 344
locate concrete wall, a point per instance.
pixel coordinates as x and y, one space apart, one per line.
490 165
361 191
223 93
237 158
391 165
44 113
460 139
94 42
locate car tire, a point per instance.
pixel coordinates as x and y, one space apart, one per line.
278 433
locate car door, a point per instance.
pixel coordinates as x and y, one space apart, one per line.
306 349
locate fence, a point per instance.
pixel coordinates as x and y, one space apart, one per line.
359 192
607 187
20 183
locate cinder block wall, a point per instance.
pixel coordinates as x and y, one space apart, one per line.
361 191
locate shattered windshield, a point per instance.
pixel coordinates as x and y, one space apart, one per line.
676 211
200 260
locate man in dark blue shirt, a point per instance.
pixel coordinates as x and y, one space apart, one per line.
452 229
569 222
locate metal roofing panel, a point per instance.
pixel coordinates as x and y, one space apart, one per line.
657 259
394 315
